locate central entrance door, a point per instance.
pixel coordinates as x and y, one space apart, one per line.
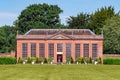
59 52
59 57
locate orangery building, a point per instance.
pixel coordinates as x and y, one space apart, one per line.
59 44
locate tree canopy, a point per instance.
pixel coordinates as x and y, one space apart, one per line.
81 21
112 35
39 16
98 18
94 21
7 39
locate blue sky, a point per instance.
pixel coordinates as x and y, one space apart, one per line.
10 9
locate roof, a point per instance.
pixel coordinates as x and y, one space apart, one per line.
69 33
65 31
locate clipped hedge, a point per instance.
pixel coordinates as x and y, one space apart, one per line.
7 60
111 61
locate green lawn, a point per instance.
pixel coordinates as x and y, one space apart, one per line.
59 72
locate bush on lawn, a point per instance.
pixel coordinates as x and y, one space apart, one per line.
79 59
50 60
111 61
86 60
31 59
7 60
37 60
98 60
21 60
45 60
41 59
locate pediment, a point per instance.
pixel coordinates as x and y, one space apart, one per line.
60 36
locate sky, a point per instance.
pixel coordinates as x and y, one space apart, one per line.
11 9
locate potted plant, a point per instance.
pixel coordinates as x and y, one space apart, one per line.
33 59
97 60
50 60
86 60
79 60
41 60
68 60
22 60
45 60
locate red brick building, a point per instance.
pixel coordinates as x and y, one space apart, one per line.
59 44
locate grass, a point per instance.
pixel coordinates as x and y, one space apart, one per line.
59 72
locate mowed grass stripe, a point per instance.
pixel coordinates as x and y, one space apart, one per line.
59 72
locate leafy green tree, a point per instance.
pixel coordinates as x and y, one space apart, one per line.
81 21
38 16
9 38
2 40
112 35
98 18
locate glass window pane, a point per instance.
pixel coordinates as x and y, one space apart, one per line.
86 50
24 50
42 50
33 49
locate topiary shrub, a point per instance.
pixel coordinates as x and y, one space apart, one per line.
90 60
8 60
37 60
29 60
82 61
45 60
72 60
99 60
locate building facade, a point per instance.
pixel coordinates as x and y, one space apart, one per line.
59 44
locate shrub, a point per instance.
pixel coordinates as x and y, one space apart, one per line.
72 60
45 60
50 60
31 59
82 60
41 59
90 60
7 60
98 60
37 60
87 60
68 60
21 60
79 59
114 61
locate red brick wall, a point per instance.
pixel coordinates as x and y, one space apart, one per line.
90 42
111 56
11 54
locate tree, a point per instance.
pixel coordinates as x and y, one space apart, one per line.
112 35
2 40
8 42
98 18
38 16
81 21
